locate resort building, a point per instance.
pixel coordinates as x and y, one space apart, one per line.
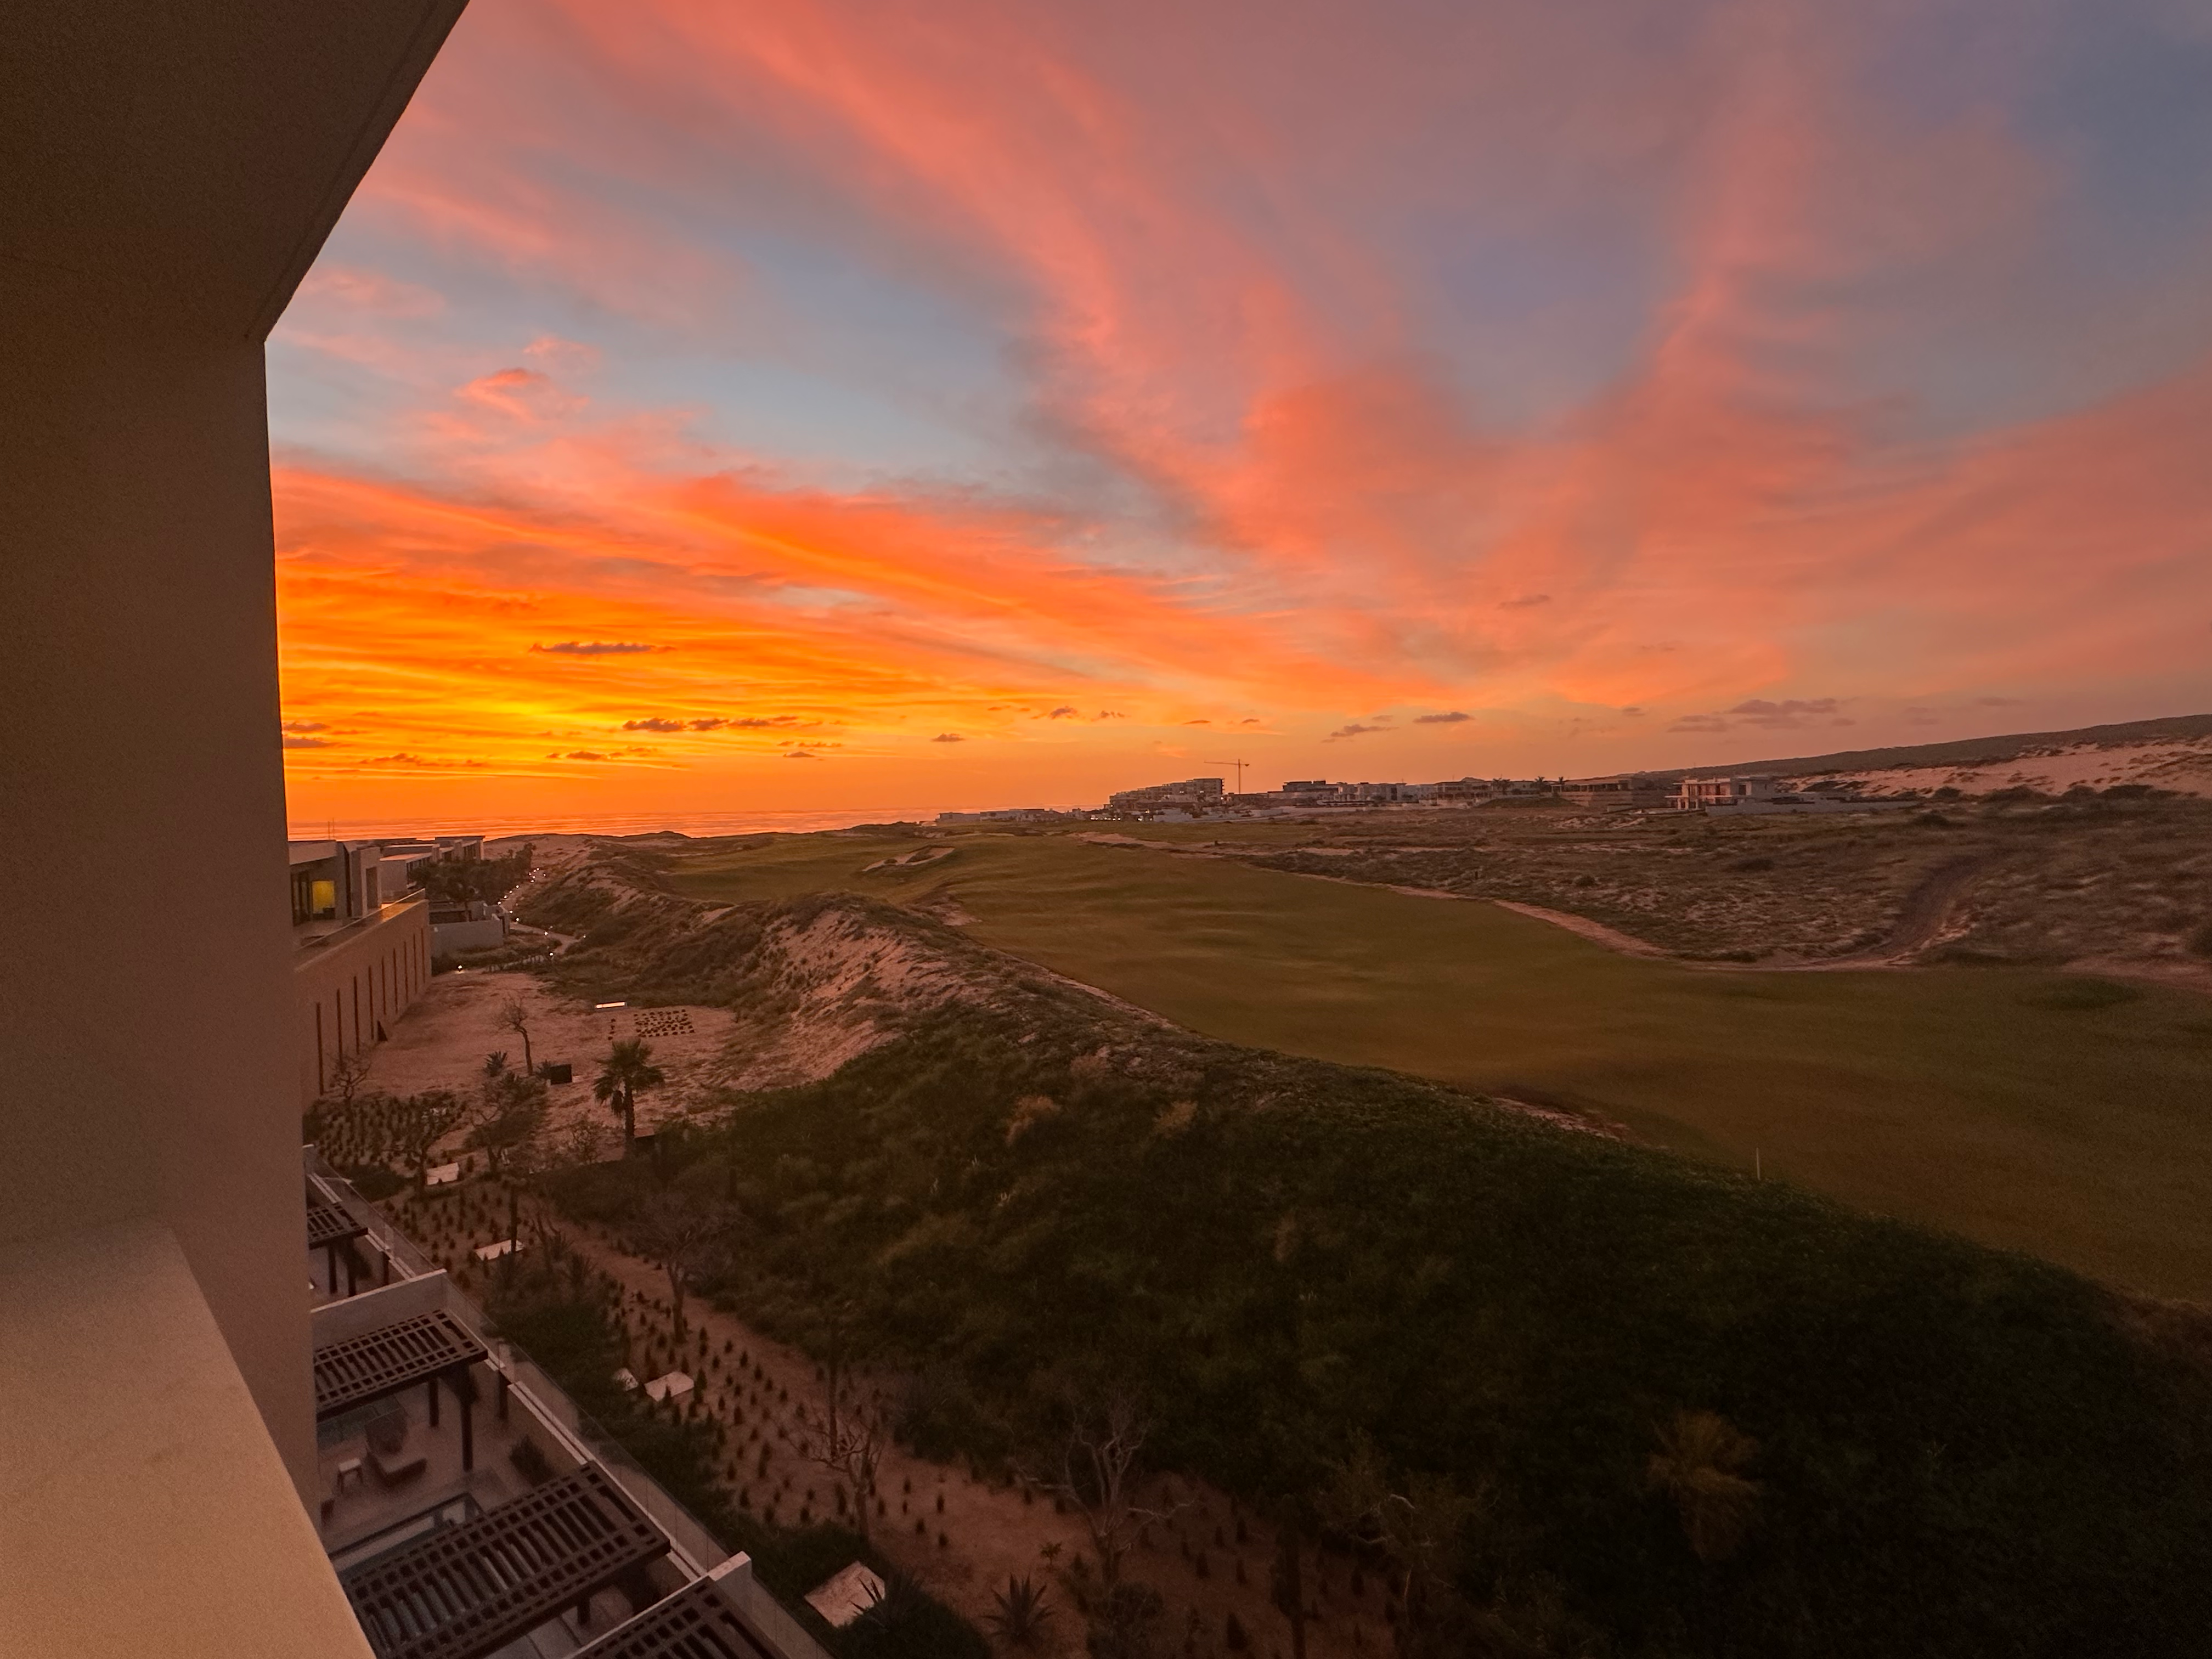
1192 796
1701 794
1621 793
166 1386
1005 815
361 954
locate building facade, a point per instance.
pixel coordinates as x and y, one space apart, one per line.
1701 794
1621 793
1191 795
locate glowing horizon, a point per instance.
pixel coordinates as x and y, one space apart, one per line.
839 405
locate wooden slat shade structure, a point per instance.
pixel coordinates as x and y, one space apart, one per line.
426 1348
695 1623
330 1229
328 1225
393 1357
466 1591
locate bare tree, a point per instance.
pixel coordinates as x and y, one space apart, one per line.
420 1122
1097 1475
514 1016
679 1234
850 1440
1421 1530
513 1112
348 1073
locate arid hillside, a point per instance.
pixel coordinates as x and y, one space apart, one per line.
2120 885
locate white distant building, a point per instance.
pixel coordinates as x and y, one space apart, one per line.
1702 794
1004 815
1195 796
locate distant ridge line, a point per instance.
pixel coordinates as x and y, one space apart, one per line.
1963 751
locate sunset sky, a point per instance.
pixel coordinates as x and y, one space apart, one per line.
830 404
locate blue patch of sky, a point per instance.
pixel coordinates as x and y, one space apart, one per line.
841 374
2107 287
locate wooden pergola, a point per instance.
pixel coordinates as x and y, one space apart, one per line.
330 1229
427 1348
464 1591
695 1623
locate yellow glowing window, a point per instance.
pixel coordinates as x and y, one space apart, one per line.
325 896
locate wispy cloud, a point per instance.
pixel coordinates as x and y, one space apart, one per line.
1832 383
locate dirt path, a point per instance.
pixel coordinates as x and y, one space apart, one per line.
1930 906
1596 932
963 1537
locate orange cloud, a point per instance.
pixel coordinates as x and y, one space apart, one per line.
1325 496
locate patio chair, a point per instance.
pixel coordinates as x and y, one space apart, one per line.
387 1453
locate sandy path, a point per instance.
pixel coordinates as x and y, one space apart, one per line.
1612 937
441 1041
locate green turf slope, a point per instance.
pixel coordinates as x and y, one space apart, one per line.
2022 1108
1961 1453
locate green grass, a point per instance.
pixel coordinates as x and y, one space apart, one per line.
2025 1110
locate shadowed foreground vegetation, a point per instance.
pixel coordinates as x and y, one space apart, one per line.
1957 1451
1663 1410
564 1325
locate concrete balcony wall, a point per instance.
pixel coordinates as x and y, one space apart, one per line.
145 1011
167 171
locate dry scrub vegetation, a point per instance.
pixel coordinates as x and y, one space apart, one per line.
2119 883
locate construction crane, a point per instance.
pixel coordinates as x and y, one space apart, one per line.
1239 765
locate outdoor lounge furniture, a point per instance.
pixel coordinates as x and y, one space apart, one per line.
387 1453
393 1467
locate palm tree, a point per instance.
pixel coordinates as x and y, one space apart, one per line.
1697 1463
629 1068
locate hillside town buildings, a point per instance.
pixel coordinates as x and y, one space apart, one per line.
1195 799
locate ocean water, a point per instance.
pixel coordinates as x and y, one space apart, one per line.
688 824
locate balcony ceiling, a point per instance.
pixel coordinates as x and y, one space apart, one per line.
189 156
